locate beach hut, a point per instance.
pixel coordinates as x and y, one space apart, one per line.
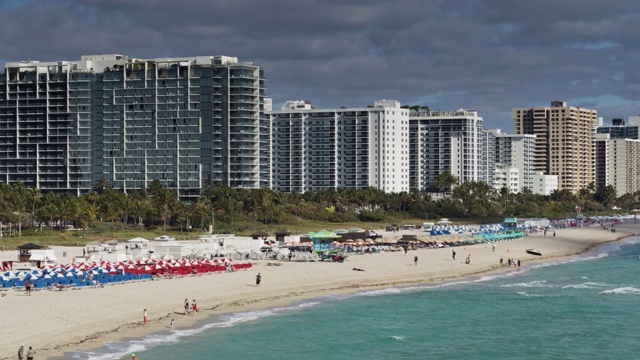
259 235
323 240
281 234
24 251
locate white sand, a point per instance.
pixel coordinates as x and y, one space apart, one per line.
57 321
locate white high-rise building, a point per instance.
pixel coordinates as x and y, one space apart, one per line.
515 151
321 149
618 164
447 141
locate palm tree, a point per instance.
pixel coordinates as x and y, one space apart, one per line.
202 210
165 202
445 181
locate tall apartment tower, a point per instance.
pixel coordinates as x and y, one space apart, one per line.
189 122
356 148
515 151
564 141
451 141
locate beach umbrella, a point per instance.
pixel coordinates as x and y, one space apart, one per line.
70 274
60 276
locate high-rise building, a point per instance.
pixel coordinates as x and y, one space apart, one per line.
515 151
188 122
619 130
618 164
564 141
451 141
321 149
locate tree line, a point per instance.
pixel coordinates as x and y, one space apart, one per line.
157 206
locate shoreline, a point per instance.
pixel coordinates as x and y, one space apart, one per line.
220 294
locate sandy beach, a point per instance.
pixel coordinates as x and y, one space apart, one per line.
54 322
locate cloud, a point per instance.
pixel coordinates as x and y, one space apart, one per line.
491 55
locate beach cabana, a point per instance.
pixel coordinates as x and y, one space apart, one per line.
323 240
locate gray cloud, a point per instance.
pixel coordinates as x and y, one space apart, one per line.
490 55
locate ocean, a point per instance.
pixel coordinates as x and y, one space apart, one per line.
581 308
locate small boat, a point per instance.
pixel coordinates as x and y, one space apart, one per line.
534 252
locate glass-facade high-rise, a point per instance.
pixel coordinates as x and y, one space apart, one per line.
187 122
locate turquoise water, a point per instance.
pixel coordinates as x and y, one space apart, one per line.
584 308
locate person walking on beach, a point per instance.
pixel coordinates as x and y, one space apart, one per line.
172 322
30 353
21 352
453 252
415 261
27 287
258 280
186 306
493 247
194 307
144 317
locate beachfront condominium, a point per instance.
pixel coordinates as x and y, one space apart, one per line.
189 122
618 164
452 141
353 148
514 151
621 130
564 143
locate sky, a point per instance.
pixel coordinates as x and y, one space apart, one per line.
487 55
